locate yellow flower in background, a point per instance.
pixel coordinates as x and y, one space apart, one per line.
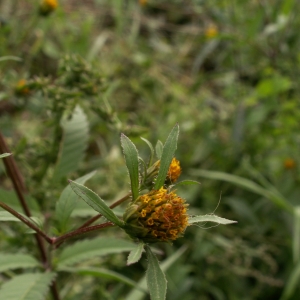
47 7
289 164
143 2
157 216
22 88
211 31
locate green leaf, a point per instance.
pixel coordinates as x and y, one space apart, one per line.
6 216
165 265
132 163
67 202
156 279
73 145
185 182
27 286
296 235
4 155
166 157
135 255
93 200
17 261
10 198
151 150
292 284
104 273
210 218
273 196
158 149
87 249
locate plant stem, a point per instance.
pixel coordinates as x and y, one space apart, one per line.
18 183
95 218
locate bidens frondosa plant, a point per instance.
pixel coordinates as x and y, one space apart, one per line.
155 212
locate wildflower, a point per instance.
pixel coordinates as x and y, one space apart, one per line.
211 31
174 170
22 88
143 2
289 164
47 7
157 216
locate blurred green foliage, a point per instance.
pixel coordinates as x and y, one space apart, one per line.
226 71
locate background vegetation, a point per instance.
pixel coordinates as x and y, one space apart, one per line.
227 71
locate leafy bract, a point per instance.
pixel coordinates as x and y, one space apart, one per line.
156 279
74 143
166 157
67 203
165 265
16 261
210 218
132 163
87 249
95 202
4 155
151 151
135 255
27 286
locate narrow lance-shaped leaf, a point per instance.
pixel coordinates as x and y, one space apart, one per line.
132 163
210 218
135 255
151 150
95 202
4 155
67 203
158 149
27 286
167 156
156 279
5 216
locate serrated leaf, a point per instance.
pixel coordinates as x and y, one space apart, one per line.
93 200
151 150
166 157
27 286
135 255
210 218
74 143
4 155
276 198
16 261
67 202
158 149
132 163
87 249
165 265
5 216
156 279
104 273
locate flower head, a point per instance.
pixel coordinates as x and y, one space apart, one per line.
47 7
174 170
289 164
211 31
157 216
22 88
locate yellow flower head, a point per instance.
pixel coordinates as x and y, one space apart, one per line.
22 88
47 6
174 170
143 2
211 31
289 163
157 216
